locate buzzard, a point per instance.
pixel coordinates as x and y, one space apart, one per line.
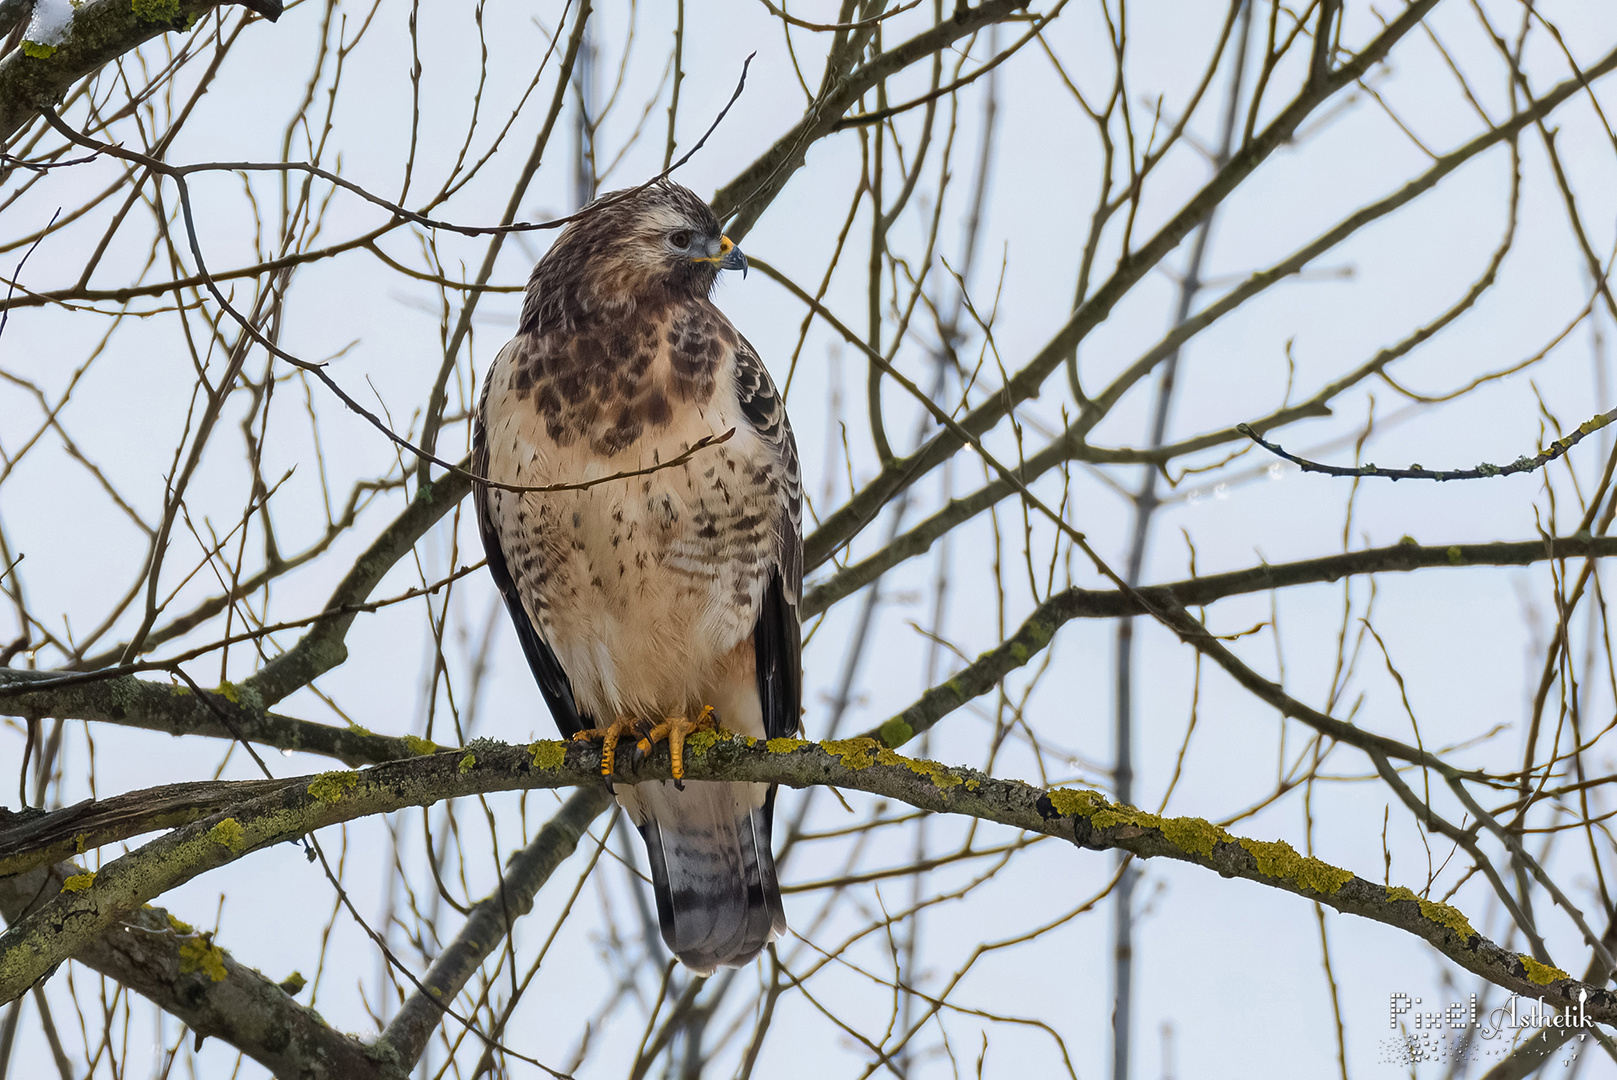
653 605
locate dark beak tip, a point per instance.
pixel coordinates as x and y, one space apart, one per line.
734 260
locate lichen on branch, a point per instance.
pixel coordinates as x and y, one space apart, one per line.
279 811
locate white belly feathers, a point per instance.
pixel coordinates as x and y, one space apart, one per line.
646 588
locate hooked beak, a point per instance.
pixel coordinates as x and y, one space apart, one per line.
729 257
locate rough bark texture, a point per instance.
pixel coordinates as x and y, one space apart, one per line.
71 920
188 976
102 31
491 920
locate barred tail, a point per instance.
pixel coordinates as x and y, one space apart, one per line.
712 869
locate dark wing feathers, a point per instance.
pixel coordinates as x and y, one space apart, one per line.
553 684
777 638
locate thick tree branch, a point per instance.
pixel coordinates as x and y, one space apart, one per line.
1036 632
1071 444
70 920
192 978
491 920
847 521
161 707
187 975
322 648
33 838
744 199
158 706
101 31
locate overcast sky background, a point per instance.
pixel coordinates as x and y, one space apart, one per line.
1234 968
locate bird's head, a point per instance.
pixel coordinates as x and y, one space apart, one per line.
663 240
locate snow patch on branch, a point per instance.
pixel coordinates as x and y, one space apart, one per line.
49 26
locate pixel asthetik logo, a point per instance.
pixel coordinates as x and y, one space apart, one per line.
1458 1031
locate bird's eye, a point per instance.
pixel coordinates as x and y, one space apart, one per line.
681 239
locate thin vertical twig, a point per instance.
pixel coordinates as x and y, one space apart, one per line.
1145 502
679 77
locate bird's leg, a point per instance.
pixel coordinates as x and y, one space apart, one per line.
674 729
609 736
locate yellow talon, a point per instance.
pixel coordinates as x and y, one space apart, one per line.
609 737
674 729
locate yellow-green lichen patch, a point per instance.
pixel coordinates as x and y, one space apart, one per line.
547 754
941 777
157 11
37 50
359 729
1127 815
1076 803
1595 424
1275 858
973 785
293 984
785 746
467 763
1321 877
1278 859
1108 815
1435 911
1195 835
896 732
201 954
1456 557
78 843
78 882
701 742
1541 974
179 927
229 833
419 747
330 786
227 690
1019 652
856 754
1452 918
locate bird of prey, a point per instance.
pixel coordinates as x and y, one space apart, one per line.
653 605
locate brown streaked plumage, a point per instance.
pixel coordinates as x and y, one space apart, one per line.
654 597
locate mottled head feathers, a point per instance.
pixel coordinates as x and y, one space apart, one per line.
653 247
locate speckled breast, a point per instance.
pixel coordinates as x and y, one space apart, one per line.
641 584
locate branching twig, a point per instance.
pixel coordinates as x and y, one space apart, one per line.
1522 464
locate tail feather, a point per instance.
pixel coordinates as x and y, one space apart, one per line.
712 869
